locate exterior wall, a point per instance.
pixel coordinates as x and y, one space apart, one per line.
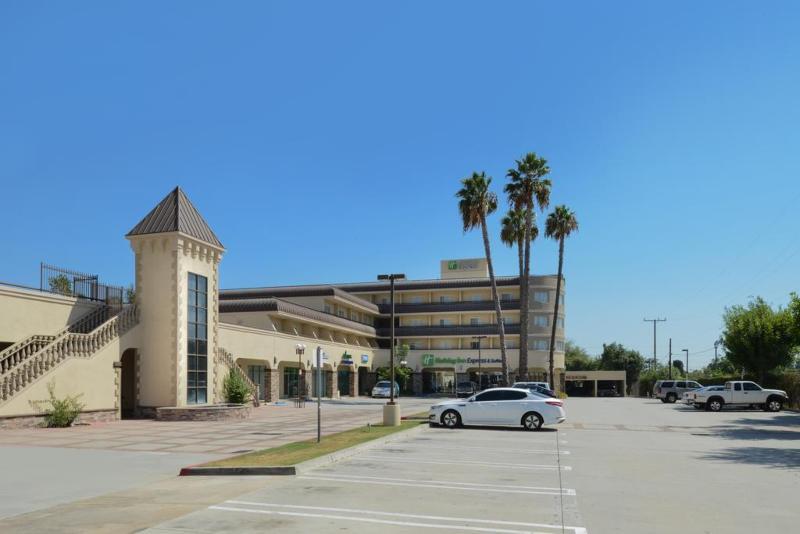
490 359
163 264
95 379
27 312
276 350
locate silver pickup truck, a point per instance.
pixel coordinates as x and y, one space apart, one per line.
741 394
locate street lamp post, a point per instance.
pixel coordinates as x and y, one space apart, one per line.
391 411
299 349
480 374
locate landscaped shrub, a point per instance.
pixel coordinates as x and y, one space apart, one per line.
235 389
61 412
790 383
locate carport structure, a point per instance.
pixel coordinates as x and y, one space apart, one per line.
595 383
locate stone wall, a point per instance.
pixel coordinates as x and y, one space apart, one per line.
203 413
33 421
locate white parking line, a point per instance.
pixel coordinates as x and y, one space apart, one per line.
390 459
476 484
435 485
576 530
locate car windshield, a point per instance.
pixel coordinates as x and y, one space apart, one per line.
382 385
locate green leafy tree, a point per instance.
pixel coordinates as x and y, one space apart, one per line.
578 359
678 365
475 203
759 338
616 357
559 225
527 188
60 284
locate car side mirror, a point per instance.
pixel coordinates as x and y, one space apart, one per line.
472 400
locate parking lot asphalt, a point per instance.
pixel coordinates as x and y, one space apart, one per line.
617 465
463 480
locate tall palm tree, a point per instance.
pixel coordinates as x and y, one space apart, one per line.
527 188
475 203
559 226
512 232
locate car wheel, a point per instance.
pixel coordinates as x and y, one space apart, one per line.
714 405
532 421
663 400
671 398
774 404
451 419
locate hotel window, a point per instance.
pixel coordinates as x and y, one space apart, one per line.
414 344
327 308
506 296
540 344
446 298
445 322
541 296
476 298
416 299
560 346
560 322
474 321
384 300
197 351
416 322
540 320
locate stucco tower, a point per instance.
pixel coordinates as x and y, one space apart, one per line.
177 266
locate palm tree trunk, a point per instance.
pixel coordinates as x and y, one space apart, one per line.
500 326
555 313
523 298
520 254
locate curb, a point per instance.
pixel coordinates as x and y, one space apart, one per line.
302 467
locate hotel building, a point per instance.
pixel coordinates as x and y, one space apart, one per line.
182 334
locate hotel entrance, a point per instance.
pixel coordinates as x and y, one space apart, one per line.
439 381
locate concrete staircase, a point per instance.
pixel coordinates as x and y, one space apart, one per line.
24 362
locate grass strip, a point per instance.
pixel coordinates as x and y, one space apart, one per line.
300 451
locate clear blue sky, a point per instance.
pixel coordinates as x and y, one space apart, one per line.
324 142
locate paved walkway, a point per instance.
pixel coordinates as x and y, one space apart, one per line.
269 426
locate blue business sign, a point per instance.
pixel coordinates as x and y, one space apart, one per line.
364 358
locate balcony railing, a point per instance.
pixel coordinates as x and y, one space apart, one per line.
457 306
449 330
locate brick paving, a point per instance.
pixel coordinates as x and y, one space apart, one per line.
269 426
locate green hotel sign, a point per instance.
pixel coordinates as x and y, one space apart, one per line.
452 265
431 360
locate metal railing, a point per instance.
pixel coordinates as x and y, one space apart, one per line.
79 285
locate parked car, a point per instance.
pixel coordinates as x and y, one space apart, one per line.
499 407
741 393
537 387
610 391
466 389
672 390
381 389
688 397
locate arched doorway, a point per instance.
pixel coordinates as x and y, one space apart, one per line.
127 384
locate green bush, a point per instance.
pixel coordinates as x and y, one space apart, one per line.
235 389
61 412
790 383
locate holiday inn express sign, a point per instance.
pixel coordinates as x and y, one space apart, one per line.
431 360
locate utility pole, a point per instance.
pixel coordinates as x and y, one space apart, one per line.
655 321
716 344
669 370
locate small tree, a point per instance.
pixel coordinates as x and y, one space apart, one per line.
577 359
61 412
759 338
678 365
235 389
60 284
616 357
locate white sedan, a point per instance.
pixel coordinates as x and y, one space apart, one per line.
499 407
